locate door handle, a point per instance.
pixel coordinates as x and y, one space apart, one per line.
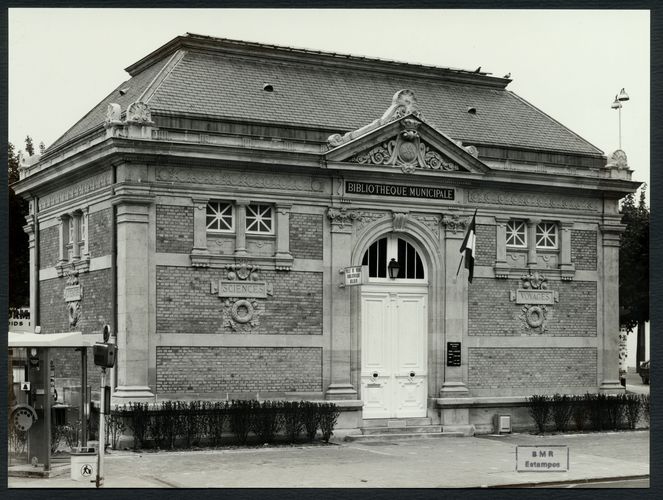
412 374
375 375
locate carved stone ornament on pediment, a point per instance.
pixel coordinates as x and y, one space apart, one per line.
406 150
139 112
243 293
113 114
455 223
535 299
341 217
403 103
617 159
73 293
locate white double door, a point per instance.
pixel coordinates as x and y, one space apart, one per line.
394 351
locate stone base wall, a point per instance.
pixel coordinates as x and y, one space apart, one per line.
560 369
238 369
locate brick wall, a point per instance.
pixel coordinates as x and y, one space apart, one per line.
239 369
95 304
562 367
306 236
174 229
486 247
491 311
67 364
49 239
185 304
583 249
99 233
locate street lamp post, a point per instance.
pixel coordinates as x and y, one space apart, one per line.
617 104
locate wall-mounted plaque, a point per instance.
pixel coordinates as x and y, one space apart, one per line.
453 353
244 289
536 296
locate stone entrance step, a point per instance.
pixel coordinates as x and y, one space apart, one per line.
396 422
398 436
402 429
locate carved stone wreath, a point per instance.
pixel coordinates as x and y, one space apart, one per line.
241 314
73 293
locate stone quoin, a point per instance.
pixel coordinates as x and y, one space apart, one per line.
209 222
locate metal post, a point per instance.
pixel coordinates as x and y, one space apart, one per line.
620 125
84 400
102 432
46 379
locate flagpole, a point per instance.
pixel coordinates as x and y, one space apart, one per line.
462 256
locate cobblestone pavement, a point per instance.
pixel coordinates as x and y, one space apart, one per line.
415 463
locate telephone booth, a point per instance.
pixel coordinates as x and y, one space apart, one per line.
33 409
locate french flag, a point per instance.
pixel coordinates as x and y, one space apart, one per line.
468 246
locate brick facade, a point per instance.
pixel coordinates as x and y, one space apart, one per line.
486 246
239 369
306 236
95 304
99 233
186 305
583 249
491 312
49 239
174 229
555 367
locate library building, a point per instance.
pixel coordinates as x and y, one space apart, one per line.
256 221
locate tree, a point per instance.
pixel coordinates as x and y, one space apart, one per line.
29 146
18 256
634 269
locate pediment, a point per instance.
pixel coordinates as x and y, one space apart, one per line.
403 139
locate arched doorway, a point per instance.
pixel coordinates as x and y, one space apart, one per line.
394 327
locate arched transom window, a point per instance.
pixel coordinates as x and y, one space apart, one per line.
380 253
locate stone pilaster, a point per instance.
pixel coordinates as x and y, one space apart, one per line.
200 253
610 282
240 228
531 242
85 247
75 219
133 297
455 306
501 266
565 265
341 347
63 236
283 257
30 229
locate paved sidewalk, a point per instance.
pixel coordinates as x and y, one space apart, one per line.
421 463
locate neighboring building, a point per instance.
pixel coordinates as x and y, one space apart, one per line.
207 208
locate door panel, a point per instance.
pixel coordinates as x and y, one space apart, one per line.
394 353
375 368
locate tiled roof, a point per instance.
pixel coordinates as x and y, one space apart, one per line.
135 87
340 99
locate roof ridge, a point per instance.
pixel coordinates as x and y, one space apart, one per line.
252 49
159 78
341 54
578 136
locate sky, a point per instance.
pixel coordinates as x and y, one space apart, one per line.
569 64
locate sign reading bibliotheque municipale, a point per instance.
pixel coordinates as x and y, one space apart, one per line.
435 193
